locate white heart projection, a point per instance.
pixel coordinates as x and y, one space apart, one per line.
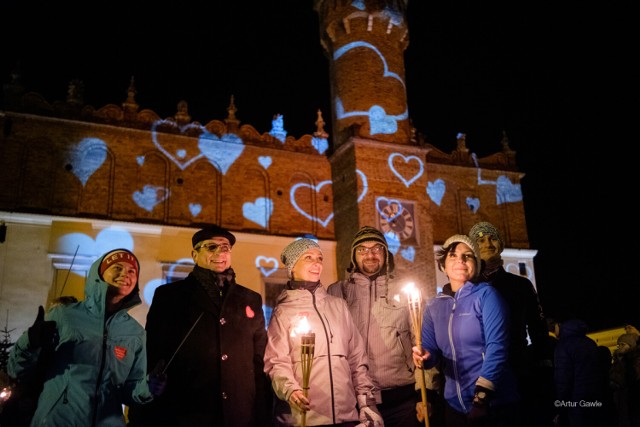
383 202
294 188
473 203
195 209
150 196
87 157
223 152
315 188
262 262
409 253
259 211
265 161
406 159
436 190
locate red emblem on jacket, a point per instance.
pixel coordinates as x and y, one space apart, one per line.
250 313
120 352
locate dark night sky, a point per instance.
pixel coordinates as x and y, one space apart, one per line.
557 79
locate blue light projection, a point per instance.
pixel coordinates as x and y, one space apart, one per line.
388 203
87 157
259 212
149 289
358 4
407 182
316 188
436 190
393 242
277 128
379 121
107 239
195 209
341 51
324 222
220 152
265 161
409 253
150 196
262 262
140 160
320 144
506 191
473 203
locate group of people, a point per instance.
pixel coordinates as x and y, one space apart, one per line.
207 358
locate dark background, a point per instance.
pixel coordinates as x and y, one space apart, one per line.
560 80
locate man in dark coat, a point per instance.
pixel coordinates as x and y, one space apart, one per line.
531 363
211 333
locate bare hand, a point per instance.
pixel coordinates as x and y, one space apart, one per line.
419 356
299 400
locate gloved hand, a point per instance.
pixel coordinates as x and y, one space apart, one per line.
158 379
480 407
43 333
369 414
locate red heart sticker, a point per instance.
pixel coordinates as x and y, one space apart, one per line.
120 352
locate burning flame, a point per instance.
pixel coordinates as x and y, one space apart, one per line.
302 327
413 293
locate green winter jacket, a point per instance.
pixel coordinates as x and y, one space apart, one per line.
97 366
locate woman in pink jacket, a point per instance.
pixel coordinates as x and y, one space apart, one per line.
340 390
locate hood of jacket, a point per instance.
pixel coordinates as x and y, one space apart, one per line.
95 292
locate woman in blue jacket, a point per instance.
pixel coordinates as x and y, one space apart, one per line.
465 333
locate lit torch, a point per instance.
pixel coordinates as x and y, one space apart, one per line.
307 345
415 308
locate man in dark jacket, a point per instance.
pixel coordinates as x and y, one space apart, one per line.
531 363
211 333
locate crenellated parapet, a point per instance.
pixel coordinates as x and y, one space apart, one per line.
365 42
129 115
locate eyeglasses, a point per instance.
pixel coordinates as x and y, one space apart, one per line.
463 257
214 247
375 250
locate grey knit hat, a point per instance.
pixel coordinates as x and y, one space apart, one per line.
294 250
483 228
461 238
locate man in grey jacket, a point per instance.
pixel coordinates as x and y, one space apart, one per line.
384 323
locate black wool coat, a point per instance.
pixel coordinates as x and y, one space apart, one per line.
216 379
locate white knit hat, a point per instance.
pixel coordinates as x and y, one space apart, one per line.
461 238
294 250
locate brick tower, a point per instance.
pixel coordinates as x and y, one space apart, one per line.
378 168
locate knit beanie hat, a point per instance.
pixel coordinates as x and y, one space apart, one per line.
210 232
461 238
630 339
294 250
370 234
483 228
119 255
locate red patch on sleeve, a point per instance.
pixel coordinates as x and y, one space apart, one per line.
120 352
250 313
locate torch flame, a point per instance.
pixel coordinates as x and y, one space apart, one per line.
302 327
